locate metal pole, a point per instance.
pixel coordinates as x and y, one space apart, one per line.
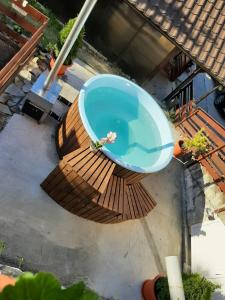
74 33
207 94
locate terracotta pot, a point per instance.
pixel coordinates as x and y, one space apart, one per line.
148 288
6 280
62 69
178 150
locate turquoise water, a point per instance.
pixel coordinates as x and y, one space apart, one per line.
138 138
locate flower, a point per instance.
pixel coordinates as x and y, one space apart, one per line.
24 4
111 136
103 141
109 139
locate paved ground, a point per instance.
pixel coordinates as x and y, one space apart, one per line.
114 259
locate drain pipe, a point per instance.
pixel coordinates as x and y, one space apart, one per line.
71 39
174 278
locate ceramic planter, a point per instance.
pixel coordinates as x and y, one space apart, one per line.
62 70
6 280
148 288
178 149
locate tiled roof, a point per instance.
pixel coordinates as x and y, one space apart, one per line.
196 26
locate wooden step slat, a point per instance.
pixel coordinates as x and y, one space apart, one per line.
114 198
93 167
139 201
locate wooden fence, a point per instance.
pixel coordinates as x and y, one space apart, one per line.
33 23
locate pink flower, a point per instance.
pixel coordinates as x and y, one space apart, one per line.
103 141
111 137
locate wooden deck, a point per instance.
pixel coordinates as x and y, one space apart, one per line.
84 184
214 160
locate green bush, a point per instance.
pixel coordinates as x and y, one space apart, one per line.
196 287
198 145
63 34
44 286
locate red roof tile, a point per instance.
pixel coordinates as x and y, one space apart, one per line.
196 26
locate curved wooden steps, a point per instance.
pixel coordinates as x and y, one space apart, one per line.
84 184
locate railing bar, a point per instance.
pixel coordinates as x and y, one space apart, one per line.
182 85
195 112
211 152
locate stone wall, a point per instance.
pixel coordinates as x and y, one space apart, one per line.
203 196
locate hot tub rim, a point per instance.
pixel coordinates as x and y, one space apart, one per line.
157 166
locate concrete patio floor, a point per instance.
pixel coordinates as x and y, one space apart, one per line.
113 259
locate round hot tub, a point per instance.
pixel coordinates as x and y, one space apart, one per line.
144 141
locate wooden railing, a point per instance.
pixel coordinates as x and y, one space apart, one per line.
181 106
178 65
214 160
34 25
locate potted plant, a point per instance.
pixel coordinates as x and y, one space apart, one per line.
43 286
197 145
196 287
6 280
56 48
149 288
179 148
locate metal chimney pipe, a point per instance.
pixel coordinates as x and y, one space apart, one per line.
71 39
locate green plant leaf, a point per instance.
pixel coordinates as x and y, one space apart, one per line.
44 286
77 291
30 286
198 144
63 34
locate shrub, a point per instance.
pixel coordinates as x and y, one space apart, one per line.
63 34
198 145
171 115
196 287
